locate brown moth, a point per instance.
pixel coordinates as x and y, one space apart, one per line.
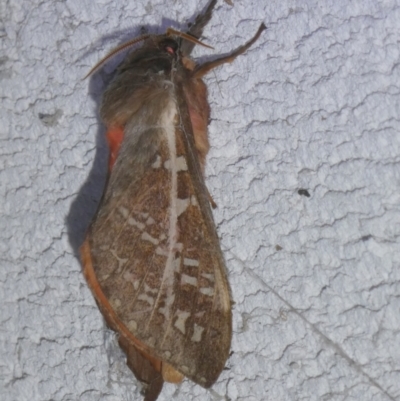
151 256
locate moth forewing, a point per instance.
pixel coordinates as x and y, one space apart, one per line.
152 256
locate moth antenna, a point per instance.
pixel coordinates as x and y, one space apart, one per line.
116 51
196 29
183 35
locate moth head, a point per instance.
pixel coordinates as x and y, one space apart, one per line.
165 42
170 46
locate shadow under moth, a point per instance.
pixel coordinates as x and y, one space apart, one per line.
152 256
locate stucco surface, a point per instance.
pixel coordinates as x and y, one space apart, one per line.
313 105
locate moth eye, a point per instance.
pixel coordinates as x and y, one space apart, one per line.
170 46
170 50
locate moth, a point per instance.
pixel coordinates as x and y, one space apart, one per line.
152 256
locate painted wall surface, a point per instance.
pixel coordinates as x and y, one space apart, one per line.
314 105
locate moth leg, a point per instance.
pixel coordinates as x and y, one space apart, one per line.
211 200
146 369
203 69
196 29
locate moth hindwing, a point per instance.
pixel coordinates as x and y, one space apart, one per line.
152 256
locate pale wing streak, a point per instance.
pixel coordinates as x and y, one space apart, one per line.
168 276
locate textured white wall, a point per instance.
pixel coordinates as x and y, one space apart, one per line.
314 104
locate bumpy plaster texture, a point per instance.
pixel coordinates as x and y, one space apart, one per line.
314 105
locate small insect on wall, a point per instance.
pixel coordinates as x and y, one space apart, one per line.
151 256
